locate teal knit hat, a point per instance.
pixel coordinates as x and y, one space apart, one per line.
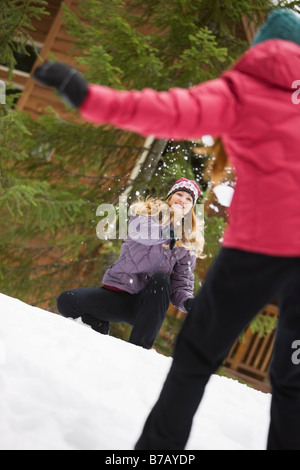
280 24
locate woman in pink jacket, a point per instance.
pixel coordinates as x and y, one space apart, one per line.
254 109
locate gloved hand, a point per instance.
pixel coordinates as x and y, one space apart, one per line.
169 233
68 82
173 239
188 304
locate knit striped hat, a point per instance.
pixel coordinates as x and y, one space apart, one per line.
190 186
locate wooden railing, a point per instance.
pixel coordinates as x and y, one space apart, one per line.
249 359
250 356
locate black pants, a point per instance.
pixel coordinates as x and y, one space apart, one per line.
237 286
145 311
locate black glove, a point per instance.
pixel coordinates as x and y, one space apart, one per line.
68 82
169 234
188 304
173 239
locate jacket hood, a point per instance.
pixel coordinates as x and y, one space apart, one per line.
275 61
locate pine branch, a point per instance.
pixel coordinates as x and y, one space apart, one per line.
16 20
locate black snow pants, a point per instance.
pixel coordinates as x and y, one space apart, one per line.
236 287
145 311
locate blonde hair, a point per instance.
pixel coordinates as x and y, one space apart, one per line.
218 162
192 227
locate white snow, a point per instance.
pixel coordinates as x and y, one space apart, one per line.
66 387
224 194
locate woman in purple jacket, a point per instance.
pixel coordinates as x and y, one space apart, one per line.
155 267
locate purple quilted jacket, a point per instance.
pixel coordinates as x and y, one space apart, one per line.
143 254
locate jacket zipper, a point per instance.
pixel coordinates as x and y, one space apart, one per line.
157 263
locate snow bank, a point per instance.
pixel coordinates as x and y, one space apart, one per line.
66 387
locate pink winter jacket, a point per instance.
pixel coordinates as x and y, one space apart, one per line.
254 109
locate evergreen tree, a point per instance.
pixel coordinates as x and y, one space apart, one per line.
55 173
16 24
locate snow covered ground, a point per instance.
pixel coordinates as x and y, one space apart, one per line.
65 387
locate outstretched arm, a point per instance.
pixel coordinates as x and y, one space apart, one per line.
208 108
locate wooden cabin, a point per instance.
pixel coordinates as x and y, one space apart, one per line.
249 359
